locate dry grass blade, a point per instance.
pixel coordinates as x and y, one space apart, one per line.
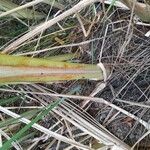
44 130
94 99
20 8
141 9
29 4
54 4
88 124
10 7
133 103
14 144
140 139
73 114
110 46
82 4
117 4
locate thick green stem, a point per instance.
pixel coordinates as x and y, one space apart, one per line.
17 69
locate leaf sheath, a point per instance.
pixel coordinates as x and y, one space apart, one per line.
16 69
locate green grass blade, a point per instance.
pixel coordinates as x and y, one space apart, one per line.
7 144
12 121
9 100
